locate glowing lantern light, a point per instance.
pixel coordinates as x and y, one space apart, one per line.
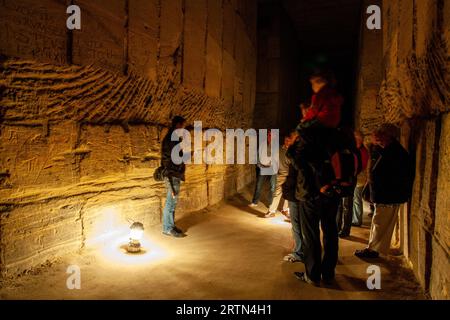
136 232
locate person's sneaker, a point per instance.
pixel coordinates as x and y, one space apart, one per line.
303 277
285 212
269 214
367 253
178 230
174 233
252 205
292 258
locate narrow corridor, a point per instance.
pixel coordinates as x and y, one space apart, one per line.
84 113
230 253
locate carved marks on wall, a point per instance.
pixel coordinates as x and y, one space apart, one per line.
42 92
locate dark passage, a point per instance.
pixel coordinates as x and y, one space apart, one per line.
319 35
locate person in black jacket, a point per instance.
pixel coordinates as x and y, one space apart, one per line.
391 180
288 190
174 174
310 158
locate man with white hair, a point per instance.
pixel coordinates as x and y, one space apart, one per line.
391 180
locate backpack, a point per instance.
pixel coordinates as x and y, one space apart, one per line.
160 173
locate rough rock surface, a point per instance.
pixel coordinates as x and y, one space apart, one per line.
83 113
412 90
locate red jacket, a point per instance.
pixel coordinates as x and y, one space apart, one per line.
326 107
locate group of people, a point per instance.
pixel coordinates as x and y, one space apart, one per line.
323 173
315 162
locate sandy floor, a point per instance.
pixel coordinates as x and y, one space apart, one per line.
230 253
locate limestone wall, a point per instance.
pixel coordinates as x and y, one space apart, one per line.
83 113
367 112
278 87
413 92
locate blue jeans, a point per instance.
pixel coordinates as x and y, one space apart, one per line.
171 203
358 206
294 213
345 215
260 179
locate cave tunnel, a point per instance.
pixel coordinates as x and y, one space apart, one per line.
89 91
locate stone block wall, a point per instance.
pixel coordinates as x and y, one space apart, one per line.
278 84
83 113
412 90
367 111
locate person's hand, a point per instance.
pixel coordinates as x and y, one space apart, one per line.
324 189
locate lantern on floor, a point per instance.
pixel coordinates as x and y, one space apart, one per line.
136 232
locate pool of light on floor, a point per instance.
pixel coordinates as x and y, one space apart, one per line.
115 251
280 220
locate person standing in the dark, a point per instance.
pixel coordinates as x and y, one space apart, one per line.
311 160
261 179
358 207
173 177
391 180
283 172
315 210
288 190
352 205
374 154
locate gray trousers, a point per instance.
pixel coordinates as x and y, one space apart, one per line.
383 224
277 196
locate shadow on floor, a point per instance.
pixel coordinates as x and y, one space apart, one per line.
193 219
356 239
357 284
240 202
